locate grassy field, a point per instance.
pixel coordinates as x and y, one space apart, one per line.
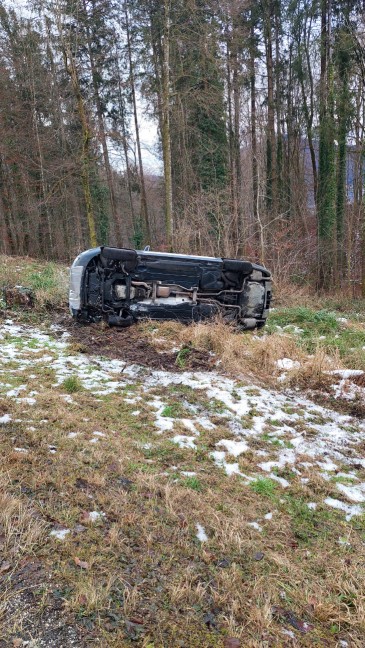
181 508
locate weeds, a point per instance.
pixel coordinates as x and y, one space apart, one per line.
263 486
182 357
193 482
48 281
322 331
72 384
172 411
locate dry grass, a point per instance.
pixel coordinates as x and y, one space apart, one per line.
144 561
247 355
292 295
48 280
22 528
314 371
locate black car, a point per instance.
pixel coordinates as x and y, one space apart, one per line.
122 286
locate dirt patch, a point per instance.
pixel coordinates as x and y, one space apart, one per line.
131 345
359 380
354 407
35 611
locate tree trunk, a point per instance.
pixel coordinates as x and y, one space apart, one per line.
102 134
166 136
327 249
86 136
343 111
271 178
237 157
232 154
122 119
144 208
254 165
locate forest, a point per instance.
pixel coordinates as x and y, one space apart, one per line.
259 109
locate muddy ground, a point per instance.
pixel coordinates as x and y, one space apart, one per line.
130 344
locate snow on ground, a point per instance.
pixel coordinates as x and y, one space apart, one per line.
287 363
59 534
346 388
298 433
201 535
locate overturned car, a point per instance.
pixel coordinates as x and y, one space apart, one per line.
122 286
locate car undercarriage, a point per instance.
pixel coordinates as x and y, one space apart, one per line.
122 286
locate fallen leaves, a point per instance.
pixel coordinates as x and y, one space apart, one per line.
289 616
231 642
258 555
4 567
81 563
17 642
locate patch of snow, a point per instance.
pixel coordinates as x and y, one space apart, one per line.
28 400
344 542
188 473
282 377
350 511
293 329
353 493
201 535
312 505
205 422
286 456
230 468
268 516
327 465
329 441
255 525
23 450
184 441
60 534
233 469
189 425
283 482
234 448
12 393
163 423
347 373
287 363
94 516
72 435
